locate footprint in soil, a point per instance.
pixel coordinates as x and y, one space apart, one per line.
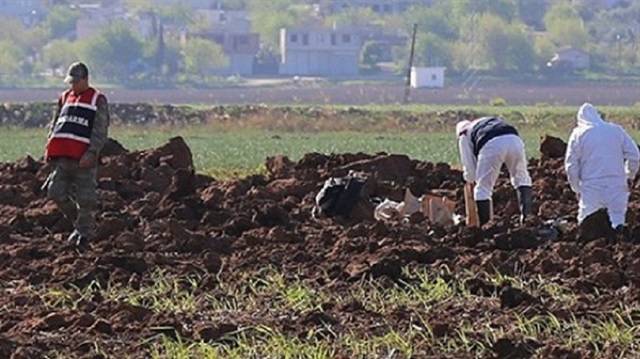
512 297
27 353
316 318
208 332
6 347
506 348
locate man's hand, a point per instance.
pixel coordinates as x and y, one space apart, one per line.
630 184
87 160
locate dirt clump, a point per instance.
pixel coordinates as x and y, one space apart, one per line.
552 147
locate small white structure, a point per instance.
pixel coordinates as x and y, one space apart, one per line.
430 77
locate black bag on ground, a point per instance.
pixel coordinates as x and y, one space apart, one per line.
338 196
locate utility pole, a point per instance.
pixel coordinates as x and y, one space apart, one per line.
619 41
408 84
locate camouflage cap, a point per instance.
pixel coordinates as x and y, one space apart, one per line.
76 72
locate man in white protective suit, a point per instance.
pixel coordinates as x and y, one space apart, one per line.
601 162
485 145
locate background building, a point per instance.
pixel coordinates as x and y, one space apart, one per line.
232 31
319 52
29 12
383 7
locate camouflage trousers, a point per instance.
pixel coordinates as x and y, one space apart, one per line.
73 189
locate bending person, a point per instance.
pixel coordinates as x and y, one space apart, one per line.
485 144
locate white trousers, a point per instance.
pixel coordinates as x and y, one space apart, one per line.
508 150
604 193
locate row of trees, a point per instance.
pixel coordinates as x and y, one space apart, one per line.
116 53
494 35
499 35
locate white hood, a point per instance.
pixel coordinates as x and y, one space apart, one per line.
588 116
462 126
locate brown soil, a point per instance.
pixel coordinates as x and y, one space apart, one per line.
156 213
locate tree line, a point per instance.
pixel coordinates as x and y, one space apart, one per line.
116 53
496 36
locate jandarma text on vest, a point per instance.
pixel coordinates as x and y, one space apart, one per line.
73 119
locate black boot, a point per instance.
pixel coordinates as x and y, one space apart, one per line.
621 234
82 244
484 211
525 201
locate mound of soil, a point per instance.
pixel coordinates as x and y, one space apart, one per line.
552 147
156 213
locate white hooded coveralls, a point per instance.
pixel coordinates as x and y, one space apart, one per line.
600 158
485 168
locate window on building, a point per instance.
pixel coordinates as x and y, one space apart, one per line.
239 42
387 8
376 8
333 39
305 39
293 38
320 38
346 38
242 40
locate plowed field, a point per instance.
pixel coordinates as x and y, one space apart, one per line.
241 269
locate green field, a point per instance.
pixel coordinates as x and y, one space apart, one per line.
236 140
244 151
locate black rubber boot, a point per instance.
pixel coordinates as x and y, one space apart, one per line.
82 244
525 201
484 211
621 234
73 237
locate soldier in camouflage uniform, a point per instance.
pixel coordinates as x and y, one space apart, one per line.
77 134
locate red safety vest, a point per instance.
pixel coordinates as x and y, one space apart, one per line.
71 133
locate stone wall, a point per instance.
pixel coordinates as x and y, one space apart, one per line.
310 118
39 114
255 116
